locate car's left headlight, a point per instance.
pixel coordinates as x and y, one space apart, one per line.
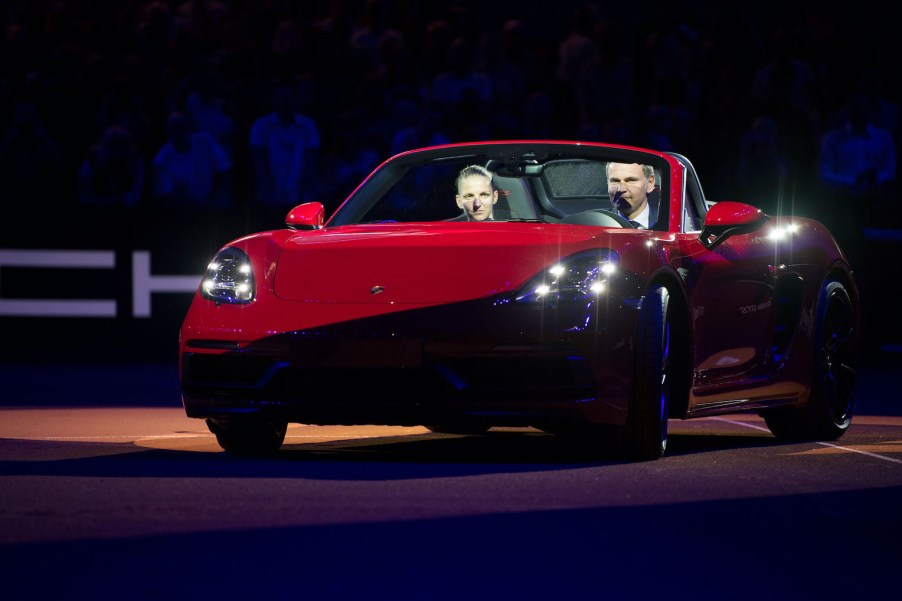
583 276
229 278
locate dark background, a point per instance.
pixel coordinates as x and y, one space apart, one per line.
746 90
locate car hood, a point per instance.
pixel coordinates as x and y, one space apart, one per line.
422 264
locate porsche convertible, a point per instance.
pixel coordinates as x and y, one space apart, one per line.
576 288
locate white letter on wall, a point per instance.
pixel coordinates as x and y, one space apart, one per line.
58 259
143 284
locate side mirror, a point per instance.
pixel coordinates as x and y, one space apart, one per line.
307 216
727 218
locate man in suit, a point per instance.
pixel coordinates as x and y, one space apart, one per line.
629 185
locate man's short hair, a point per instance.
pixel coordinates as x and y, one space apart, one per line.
647 170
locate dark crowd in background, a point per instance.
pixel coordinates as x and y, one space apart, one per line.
256 105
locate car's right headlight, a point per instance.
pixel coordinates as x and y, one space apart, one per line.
229 278
577 278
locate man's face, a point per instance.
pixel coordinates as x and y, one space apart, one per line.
476 196
628 187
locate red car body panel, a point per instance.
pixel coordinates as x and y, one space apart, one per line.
326 267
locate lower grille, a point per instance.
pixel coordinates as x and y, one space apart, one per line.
438 379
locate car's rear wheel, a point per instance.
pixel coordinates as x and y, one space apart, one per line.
248 436
828 413
645 433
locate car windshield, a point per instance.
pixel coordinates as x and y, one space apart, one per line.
549 186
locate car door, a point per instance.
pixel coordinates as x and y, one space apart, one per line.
731 297
731 290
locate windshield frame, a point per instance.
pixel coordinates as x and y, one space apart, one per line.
522 159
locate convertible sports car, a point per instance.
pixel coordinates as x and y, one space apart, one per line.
527 301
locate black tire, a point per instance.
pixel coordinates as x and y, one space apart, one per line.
828 413
246 436
645 433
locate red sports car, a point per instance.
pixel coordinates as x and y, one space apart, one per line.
570 287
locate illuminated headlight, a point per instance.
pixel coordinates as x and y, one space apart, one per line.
229 278
575 278
782 232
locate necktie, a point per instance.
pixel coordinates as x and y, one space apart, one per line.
636 225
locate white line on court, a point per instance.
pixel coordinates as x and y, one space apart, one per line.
146 436
825 444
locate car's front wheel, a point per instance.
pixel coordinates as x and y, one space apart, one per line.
828 413
645 433
248 436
